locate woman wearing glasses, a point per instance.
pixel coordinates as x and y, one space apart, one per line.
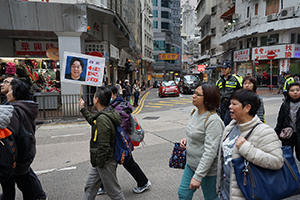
204 131
76 67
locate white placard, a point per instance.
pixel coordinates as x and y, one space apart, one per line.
83 69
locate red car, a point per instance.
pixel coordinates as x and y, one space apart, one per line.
168 88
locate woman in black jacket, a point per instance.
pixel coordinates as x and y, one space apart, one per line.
289 116
25 112
127 91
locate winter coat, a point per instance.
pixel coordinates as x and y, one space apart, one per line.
262 148
103 134
6 112
28 113
124 109
127 91
284 120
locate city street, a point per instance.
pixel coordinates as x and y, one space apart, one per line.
62 161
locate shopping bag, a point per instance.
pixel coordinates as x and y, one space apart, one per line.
131 102
178 157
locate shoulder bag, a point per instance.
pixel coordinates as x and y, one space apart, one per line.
259 183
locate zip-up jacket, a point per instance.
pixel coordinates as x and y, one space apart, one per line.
227 87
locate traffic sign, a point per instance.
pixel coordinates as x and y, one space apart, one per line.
271 55
256 62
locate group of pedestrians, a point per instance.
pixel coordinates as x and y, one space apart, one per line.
126 91
213 140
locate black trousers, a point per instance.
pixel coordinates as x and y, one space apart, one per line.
23 182
136 172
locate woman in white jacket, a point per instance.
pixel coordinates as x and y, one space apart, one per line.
204 131
263 147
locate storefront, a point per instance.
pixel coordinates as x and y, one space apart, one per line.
286 59
242 63
36 60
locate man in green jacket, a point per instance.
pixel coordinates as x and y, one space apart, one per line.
103 138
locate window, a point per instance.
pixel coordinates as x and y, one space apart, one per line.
155 13
248 12
213 10
165 25
155 24
263 40
213 51
256 9
213 31
159 45
165 14
241 44
298 39
292 38
154 2
272 7
165 3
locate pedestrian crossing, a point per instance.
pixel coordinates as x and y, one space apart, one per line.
169 103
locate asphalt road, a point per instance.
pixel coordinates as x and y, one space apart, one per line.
62 161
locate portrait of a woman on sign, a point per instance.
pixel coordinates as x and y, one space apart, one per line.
76 69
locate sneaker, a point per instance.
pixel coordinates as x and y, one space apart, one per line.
139 190
101 191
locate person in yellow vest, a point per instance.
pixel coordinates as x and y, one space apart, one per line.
227 84
288 80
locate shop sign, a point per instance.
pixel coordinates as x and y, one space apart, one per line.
284 64
281 51
33 47
169 56
242 55
186 58
201 68
91 73
114 52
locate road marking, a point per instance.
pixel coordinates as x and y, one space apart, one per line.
153 106
161 104
55 169
57 136
142 101
172 102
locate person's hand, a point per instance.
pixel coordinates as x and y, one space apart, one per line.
80 103
239 142
194 184
183 143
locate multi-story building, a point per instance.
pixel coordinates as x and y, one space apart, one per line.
147 40
164 42
254 28
28 28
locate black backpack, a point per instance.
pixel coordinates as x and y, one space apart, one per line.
8 155
25 142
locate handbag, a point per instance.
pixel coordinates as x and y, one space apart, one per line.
286 133
260 183
178 157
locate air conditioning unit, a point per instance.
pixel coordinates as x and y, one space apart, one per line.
236 16
297 11
272 17
271 40
287 12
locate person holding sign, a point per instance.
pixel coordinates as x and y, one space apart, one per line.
76 67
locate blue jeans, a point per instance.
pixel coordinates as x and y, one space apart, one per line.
208 186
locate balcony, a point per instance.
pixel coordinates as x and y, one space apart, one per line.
203 11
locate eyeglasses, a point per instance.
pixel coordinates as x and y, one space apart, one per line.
6 82
199 95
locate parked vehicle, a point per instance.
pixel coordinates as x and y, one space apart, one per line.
188 83
156 84
168 88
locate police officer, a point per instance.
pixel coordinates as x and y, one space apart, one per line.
288 80
227 84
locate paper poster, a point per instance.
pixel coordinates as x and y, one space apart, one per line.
83 69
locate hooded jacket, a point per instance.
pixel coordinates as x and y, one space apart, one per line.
28 112
262 148
103 134
124 109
